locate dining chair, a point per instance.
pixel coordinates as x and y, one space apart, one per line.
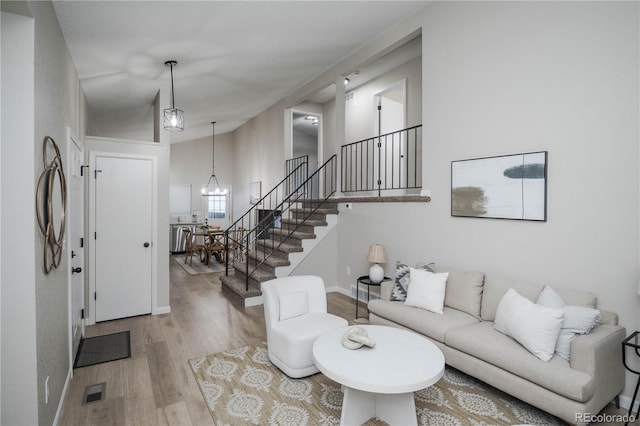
215 246
237 243
190 247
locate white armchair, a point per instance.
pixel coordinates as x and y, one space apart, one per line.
295 313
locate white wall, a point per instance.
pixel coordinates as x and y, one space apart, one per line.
258 155
19 403
495 83
360 112
191 164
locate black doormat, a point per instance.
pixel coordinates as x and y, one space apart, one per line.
110 347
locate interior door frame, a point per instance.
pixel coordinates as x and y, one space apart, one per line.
93 156
377 100
320 144
75 215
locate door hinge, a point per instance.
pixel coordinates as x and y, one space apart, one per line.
379 107
81 242
95 295
82 313
95 235
95 173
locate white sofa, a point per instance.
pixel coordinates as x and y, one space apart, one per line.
592 378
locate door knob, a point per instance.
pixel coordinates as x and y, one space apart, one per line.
146 244
76 270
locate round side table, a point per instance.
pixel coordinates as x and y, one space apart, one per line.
366 281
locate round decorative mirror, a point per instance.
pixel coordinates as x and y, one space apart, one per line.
51 201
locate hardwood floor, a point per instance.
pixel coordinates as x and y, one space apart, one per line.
155 386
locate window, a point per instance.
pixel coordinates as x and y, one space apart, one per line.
217 206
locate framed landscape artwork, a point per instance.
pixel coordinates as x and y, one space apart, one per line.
503 187
255 192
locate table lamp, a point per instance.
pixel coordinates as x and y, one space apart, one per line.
377 256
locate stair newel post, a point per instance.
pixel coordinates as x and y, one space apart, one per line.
226 252
246 261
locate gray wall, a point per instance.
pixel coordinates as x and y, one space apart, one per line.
58 103
191 164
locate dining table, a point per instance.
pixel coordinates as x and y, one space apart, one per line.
213 242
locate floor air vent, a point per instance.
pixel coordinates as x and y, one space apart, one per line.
95 393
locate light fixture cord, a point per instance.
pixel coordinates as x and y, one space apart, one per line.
173 101
213 149
213 156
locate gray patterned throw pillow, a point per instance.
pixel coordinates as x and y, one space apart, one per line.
399 292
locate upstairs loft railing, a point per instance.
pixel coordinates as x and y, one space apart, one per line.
272 221
385 162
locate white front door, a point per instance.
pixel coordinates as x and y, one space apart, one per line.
123 232
75 223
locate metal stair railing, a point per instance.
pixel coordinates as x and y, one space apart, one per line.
385 162
259 239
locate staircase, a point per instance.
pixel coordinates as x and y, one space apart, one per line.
274 258
283 228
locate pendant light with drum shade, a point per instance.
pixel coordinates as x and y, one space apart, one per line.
173 117
210 189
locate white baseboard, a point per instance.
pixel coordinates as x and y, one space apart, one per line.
162 310
65 389
625 402
253 301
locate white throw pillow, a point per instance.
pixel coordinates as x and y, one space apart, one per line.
577 320
293 305
535 327
426 290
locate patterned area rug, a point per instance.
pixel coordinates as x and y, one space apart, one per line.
198 267
241 386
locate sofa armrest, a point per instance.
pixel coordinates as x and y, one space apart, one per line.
385 289
608 317
599 354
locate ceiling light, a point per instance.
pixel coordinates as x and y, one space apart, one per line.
173 117
346 81
208 189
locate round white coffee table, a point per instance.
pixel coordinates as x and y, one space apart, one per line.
380 381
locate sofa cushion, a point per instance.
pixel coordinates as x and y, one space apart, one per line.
401 285
534 326
431 325
578 298
426 290
482 341
577 320
464 289
494 289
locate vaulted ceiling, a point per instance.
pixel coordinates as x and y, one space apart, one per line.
235 58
